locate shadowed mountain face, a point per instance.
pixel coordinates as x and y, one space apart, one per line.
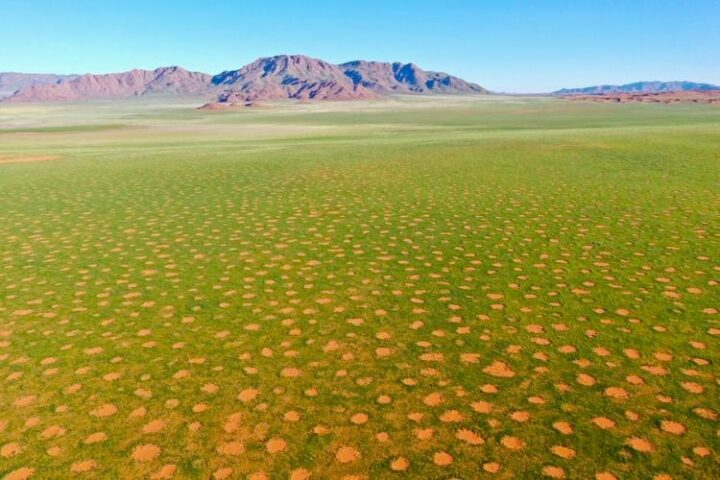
405 78
639 87
272 78
127 84
10 82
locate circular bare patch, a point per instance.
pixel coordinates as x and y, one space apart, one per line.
400 464
82 467
223 473
617 393
166 472
563 452
153 426
442 459
10 450
676 428
276 445
231 448
359 418
20 474
553 472
145 452
105 410
563 427
347 455
300 474
434 399
512 443
605 476
96 438
603 423
639 444
499 369
469 436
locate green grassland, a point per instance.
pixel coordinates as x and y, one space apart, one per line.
412 288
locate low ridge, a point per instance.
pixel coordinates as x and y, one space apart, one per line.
640 87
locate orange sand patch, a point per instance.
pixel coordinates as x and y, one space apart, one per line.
563 452
347 455
300 474
469 436
553 472
154 426
482 407
563 427
675 428
276 445
433 399
499 369
20 474
442 459
104 410
451 416
400 464
639 444
512 443
96 438
359 418
223 473
84 466
231 448
605 476
248 395
24 401
603 423
10 450
617 393
145 452
5 159
167 471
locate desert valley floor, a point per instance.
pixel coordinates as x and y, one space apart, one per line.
411 288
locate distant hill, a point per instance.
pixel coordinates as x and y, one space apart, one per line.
10 82
405 78
281 77
639 87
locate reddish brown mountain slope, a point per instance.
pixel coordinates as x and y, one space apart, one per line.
281 77
405 78
288 76
126 84
10 82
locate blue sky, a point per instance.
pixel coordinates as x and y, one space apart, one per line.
505 45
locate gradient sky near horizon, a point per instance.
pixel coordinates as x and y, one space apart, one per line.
504 45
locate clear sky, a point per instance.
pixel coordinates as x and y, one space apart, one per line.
505 45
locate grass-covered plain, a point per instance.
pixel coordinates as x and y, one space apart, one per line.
420 289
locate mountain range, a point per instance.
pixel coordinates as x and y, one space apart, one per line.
640 87
271 78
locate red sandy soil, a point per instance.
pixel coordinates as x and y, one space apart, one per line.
709 97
